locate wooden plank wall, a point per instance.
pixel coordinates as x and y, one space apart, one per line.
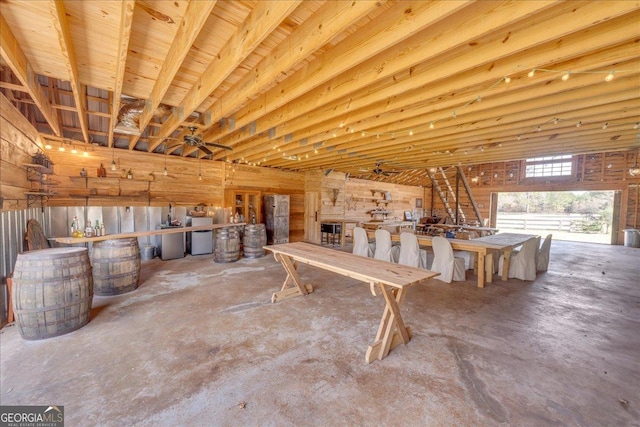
606 171
355 198
18 142
148 186
272 181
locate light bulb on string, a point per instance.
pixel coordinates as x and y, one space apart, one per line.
47 146
431 125
604 126
609 77
636 125
565 76
507 79
85 153
578 124
73 149
532 73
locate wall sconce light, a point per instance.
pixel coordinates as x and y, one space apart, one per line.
475 179
114 167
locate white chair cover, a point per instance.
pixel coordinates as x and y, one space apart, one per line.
542 264
410 252
468 257
449 267
522 264
383 246
361 243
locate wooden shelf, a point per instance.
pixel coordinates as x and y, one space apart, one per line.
41 169
40 193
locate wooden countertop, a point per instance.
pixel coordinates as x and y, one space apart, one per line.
72 240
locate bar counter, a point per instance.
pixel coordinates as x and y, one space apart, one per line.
170 230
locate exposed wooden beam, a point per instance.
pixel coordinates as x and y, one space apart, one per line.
263 19
124 34
311 35
17 61
385 33
61 25
391 101
437 44
194 19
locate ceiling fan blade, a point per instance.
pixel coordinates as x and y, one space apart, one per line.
215 144
205 149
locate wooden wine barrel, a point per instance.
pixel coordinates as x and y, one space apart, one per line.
116 266
255 237
227 245
52 291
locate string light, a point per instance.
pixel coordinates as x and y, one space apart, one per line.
85 153
73 149
478 98
606 125
47 146
61 148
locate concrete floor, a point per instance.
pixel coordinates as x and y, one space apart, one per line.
200 344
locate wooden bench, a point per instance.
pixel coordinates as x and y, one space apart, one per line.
391 279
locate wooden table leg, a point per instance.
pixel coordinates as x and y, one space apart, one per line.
488 267
481 269
292 286
505 264
391 331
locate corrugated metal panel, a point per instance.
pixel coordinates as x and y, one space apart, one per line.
56 222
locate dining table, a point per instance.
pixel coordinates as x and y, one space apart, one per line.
485 249
508 242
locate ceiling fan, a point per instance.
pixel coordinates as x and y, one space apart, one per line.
379 171
194 140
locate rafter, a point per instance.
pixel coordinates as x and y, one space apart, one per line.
262 20
194 19
17 61
433 84
61 25
433 48
332 19
124 34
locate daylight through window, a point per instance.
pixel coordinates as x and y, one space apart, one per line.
561 165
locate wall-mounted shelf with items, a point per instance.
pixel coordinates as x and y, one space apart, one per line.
39 177
107 187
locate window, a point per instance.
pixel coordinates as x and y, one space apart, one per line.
547 166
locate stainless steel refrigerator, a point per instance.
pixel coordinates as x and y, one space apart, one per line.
276 214
200 242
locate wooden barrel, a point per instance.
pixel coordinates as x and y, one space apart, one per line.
52 291
227 245
255 237
116 266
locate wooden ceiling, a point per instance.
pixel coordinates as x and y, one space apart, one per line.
342 85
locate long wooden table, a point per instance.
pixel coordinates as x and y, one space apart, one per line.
485 248
508 241
73 240
392 280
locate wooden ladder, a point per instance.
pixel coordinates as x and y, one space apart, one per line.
444 199
451 194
